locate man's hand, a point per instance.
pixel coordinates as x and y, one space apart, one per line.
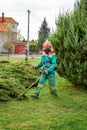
33 67
45 72
40 71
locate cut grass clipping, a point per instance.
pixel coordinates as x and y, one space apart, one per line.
15 79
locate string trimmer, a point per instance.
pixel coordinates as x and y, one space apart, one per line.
22 94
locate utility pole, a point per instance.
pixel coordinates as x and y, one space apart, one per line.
28 30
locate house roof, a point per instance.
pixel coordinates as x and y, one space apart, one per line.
8 20
3 27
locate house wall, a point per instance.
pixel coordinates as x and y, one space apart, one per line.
6 37
1 47
3 39
11 26
13 33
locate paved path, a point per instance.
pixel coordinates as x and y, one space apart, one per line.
20 56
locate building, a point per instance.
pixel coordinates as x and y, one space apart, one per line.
8 31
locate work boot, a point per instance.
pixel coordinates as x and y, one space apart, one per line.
36 96
55 94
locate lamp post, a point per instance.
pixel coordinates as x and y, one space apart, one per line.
28 30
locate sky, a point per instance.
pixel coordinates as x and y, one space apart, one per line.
18 10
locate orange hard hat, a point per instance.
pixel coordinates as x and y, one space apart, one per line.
47 45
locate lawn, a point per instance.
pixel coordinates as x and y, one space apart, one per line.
68 111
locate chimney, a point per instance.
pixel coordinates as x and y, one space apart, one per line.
3 20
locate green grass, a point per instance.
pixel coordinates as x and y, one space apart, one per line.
68 111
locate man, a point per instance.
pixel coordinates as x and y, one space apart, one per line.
48 64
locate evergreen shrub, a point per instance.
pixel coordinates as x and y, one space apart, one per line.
70 45
15 78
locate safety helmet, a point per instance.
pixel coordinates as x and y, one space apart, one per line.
47 45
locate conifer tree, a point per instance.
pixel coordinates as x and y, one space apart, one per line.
70 44
43 33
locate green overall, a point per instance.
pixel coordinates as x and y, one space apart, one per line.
47 63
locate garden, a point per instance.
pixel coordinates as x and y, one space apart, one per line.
68 111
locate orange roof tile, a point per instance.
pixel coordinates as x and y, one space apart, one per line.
3 27
8 19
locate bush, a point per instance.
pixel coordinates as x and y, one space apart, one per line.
70 44
15 78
